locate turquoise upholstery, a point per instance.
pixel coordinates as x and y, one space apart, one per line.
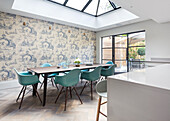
69 79
93 75
49 65
46 65
26 78
84 70
108 71
109 62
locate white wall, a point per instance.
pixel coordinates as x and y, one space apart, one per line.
157 38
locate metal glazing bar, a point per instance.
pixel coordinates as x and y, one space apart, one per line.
65 2
97 7
86 5
112 4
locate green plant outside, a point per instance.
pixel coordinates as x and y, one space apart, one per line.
137 53
141 51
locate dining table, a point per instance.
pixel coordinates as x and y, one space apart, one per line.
45 71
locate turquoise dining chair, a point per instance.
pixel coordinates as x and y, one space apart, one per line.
26 79
50 76
69 80
91 76
108 71
101 89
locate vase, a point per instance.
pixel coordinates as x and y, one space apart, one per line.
77 65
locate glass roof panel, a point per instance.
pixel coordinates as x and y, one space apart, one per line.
91 9
104 7
116 5
77 4
59 1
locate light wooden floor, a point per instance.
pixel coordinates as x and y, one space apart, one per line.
32 110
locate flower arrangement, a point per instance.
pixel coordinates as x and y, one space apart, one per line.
77 62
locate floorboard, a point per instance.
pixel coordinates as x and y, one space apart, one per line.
32 110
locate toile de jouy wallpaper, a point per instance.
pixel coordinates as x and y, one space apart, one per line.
27 42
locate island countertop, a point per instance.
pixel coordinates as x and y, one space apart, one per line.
158 76
141 95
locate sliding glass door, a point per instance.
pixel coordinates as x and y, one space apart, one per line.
120 52
125 50
107 54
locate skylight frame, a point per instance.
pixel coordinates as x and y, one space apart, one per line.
86 5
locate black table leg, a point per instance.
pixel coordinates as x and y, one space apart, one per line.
45 89
35 85
34 91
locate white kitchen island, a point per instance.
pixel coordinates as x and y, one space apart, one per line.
142 95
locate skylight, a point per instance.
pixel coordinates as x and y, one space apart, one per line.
77 4
59 1
91 7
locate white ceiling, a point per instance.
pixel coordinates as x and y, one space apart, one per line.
139 10
157 10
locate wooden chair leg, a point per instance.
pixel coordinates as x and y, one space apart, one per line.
19 94
41 84
70 92
37 93
77 94
98 109
91 90
66 98
22 97
59 94
56 86
101 78
52 81
83 88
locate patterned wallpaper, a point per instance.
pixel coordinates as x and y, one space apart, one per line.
32 44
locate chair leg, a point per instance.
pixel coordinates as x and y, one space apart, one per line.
83 88
101 78
91 90
70 92
41 84
98 109
37 93
77 94
56 86
59 94
19 94
22 97
66 98
52 81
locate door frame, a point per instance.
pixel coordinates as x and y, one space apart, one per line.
113 47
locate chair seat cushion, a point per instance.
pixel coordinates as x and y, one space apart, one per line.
52 75
25 73
66 72
103 94
84 70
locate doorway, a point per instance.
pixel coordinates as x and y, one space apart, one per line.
124 50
